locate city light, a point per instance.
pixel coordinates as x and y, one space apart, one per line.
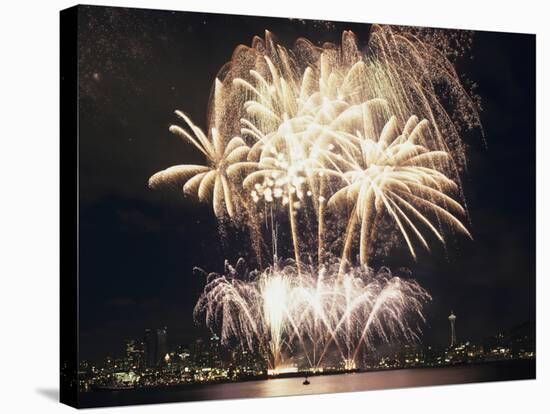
202 362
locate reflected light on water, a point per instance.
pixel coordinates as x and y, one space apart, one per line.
364 381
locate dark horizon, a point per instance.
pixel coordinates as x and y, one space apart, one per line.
138 246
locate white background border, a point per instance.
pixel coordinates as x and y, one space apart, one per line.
29 200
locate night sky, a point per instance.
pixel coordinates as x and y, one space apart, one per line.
138 246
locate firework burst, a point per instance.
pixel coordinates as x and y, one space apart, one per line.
335 143
316 312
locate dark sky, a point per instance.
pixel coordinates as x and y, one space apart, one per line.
138 246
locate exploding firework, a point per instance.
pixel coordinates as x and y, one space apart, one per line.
333 144
211 181
279 310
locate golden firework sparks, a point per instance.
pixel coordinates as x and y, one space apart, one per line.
320 312
337 143
211 182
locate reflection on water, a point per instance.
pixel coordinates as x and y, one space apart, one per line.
509 370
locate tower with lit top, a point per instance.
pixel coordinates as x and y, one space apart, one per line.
452 319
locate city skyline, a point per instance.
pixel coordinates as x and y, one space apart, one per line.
204 360
158 353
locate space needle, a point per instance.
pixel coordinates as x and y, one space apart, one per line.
452 319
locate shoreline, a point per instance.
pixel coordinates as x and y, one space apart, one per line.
494 371
302 374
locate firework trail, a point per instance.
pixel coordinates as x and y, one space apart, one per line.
333 144
317 312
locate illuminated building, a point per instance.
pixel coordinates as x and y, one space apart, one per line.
134 355
452 319
155 346
162 348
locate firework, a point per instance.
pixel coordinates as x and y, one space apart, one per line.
210 182
337 144
277 311
397 175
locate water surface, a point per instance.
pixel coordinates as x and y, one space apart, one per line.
497 371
